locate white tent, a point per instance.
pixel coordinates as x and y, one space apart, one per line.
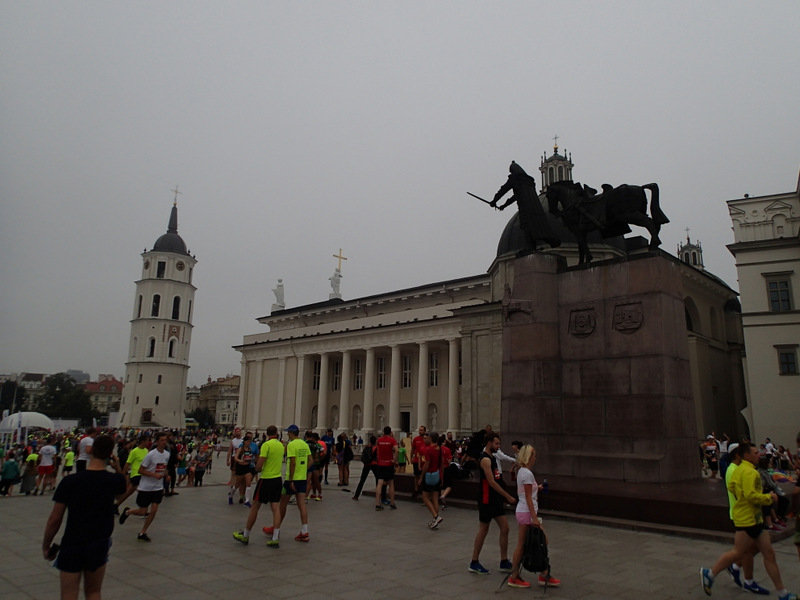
25 420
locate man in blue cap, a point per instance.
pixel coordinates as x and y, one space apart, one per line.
297 455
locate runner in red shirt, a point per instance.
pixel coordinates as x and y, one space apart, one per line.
386 454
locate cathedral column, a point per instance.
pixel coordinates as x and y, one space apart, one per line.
394 390
369 394
453 418
257 394
242 406
322 401
298 394
281 391
344 394
422 386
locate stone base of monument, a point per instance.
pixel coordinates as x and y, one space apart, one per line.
596 372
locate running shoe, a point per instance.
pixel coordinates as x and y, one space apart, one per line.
736 574
241 500
549 581
385 502
239 536
301 537
476 567
755 588
393 506
273 544
318 498
706 580
788 596
506 566
248 505
436 522
443 504
123 517
518 582
143 537
378 507
230 499
268 530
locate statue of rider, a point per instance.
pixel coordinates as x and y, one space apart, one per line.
532 217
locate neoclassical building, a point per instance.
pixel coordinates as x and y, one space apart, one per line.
432 355
766 231
154 392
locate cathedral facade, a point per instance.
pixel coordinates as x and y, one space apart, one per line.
432 355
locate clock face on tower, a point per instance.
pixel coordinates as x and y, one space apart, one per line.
180 266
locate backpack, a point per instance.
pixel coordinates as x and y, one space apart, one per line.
534 554
366 455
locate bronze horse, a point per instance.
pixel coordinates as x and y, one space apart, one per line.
583 210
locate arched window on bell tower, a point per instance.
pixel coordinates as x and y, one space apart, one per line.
691 253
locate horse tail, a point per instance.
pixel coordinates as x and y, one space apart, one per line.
658 216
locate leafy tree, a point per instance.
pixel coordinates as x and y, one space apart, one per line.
7 392
63 398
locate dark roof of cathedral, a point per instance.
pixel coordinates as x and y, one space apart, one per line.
171 241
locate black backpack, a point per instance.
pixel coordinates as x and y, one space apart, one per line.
366 455
534 555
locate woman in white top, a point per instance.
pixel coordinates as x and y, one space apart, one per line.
527 516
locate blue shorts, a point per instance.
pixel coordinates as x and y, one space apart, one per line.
89 557
299 487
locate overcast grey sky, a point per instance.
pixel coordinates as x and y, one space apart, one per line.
297 128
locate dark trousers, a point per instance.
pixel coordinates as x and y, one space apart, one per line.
364 474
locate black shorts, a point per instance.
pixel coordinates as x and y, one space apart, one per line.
135 480
487 512
242 470
299 487
145 499
385 473
753 531
67 470
88 557
268 490
417 471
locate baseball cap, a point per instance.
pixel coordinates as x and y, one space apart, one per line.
293 429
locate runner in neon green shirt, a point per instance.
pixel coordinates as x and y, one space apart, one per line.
297 456
270 462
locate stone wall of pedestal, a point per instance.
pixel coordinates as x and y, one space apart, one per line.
596 369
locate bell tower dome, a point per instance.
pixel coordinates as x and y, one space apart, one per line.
555 168
154 390
691 253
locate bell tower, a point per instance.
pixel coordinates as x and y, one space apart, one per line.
691 253
154 390
555 168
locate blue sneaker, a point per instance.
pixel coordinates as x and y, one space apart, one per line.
736 574
476 567
755 588
506 566
706 580
788 596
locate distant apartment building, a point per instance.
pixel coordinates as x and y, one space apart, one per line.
105 393
221 398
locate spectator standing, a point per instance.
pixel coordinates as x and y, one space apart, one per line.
490 506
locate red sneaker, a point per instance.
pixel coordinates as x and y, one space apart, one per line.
268 530
549 581
518 582
301 537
